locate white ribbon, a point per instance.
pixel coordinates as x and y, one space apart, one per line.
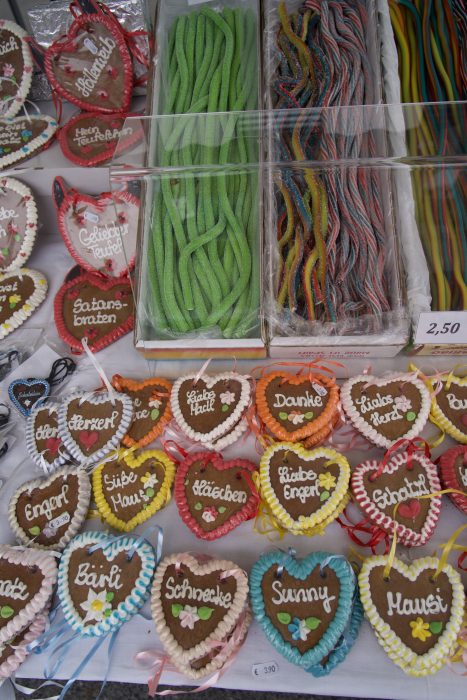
99 369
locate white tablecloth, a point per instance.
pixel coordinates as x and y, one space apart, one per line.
367 672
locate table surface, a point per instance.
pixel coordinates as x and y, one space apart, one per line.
367 672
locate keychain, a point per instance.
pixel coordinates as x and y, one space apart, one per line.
27 394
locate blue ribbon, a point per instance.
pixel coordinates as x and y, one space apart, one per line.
94 649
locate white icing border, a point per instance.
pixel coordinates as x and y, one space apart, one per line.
132 603
35 300
95 398
26 79
213 437
46 563
20 652
34 146
405 535
77 518
364 427
29 237
182 657
31 445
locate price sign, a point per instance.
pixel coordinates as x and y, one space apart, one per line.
442 328
266 670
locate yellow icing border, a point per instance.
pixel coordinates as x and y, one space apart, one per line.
436 414
134 462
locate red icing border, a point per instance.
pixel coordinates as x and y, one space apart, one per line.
448 475
246 513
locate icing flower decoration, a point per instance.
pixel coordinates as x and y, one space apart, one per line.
96 606
327 480
12 227
227 398
296 418
149 480
402 403
154 403
8 70
298 629
13 299
420 629
26 133
209 514
188 616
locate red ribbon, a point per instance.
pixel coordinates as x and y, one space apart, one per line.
376 535
412 447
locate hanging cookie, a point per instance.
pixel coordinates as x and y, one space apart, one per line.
93 307
196 602
131 488
304 490
99 231
24 137
15 68
28 394
21 292
44 445
151 401
214 495
47 513
449 405
18 223
416 611
295 407
91 66
90 139
453 474
15 650
210 409
386 409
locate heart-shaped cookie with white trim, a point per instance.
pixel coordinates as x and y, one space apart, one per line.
415 612
209 408
15 651
27 578
453 473
15 68
295 407
194 602
92 424
43 442
403 479
449 406
91 66
302 605
386 409
90 139
103 581
304 489
99 232
214 496
151 401
130 489
24 137
18 223
47 513
21 292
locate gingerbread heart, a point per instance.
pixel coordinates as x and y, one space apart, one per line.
43 442
93 307
15 651
386 409
103 581
28 394
89 139
304 489
91 66
99 232
23 137
18 223
130 489
416 612
208 409
92 424
47 513
27 578
15 68
21 292
214 496
152 408
196 602
295 407
453 473
449 406
403 479
302 605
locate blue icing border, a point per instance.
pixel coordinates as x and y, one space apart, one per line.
126 608
300 569
28 382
